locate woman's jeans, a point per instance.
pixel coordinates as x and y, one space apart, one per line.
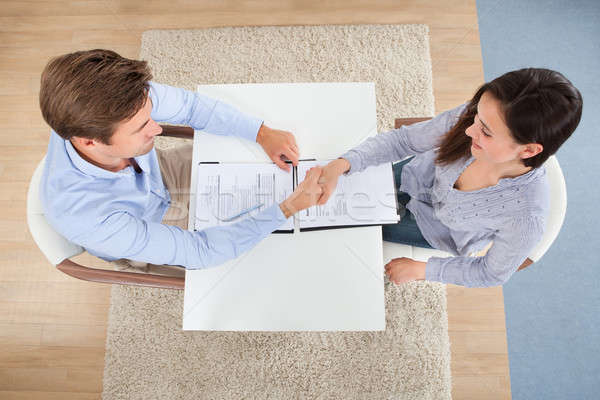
406 231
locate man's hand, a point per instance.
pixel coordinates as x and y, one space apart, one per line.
278 143
329 177
404 269
306 194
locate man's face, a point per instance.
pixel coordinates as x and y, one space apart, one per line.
134 137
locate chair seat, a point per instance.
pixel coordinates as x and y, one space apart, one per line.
396 250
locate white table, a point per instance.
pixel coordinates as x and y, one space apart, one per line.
311 281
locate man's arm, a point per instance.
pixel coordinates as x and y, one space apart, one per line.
184 107
180 106
122 235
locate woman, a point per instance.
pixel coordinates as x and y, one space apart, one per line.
477 176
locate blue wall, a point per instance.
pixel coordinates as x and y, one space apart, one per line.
553 307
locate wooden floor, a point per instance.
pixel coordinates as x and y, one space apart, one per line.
52 327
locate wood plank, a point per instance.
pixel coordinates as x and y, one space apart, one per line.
43 313
52 379
36 136
25 263
88 335
17 8
477 387
480 364
172 20
19 83
98 39
35 38
19 356
26 152
32 395
20 334
19 102
493 342
476 320
16 170
77 291
14 231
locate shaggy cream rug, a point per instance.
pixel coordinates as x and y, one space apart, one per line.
148 356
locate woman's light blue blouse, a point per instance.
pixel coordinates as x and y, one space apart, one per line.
511 213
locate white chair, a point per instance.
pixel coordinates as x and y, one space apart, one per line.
59 250
558 208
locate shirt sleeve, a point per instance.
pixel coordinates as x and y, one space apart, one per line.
400 143
509 250
124 236
180 106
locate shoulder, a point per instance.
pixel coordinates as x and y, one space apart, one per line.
450 117
73 203
534 193
442 121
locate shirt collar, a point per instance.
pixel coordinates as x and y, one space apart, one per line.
92 170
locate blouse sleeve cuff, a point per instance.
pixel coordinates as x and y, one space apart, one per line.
433 269
354 160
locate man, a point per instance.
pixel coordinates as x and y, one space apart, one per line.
104 186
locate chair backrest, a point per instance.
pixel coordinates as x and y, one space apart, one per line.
558 208
54 246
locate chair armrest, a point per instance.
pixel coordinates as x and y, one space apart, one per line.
398 122
184 132
526 263
120 277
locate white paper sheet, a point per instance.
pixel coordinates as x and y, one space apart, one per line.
363 198
228 193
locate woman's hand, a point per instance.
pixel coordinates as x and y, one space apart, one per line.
329 177
404 269
306 194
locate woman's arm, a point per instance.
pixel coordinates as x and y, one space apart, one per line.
400 143
391 146
512 244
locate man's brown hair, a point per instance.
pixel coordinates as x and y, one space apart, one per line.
87 93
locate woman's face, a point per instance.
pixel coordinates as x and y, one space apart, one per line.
491 139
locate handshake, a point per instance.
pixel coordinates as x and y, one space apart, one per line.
320 182
316 188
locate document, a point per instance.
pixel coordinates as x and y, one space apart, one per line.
364 198
230 192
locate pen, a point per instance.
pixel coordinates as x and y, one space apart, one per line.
246 211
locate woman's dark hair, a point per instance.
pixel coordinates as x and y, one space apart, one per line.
88 93
539 106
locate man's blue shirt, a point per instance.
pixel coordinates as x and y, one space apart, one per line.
118 214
